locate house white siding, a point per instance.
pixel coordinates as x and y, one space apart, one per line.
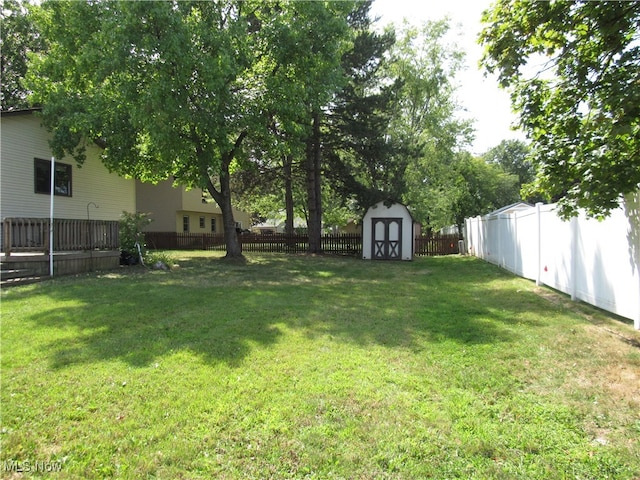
167 205
160 201
23 139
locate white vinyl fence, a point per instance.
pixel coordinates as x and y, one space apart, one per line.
597 262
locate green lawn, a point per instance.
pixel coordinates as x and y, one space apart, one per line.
315 367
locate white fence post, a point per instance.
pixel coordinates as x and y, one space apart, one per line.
515 243
538 244
573 280
632 211
498 253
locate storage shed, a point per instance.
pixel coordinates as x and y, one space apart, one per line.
387 232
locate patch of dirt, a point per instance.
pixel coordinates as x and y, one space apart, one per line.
422 272
611 371
603 320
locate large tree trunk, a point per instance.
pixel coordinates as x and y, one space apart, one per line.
314 198
288 195
223 199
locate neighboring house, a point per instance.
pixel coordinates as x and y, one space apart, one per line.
176 209
273 225
25 168
352 227
508 209
450 230
269 227
514 207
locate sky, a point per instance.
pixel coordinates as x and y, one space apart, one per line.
481 97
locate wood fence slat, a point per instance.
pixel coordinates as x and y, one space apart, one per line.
344 244
437 245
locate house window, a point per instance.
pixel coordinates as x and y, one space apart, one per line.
61 179
201 222
213 225
185 224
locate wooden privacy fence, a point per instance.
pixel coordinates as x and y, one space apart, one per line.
184 241
342 244
350 244
437 245
32 235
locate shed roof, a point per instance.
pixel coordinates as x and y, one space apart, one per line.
389 204
514 207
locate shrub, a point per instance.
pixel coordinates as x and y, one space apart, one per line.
153 258
131 226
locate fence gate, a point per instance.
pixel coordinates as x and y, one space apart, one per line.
386 238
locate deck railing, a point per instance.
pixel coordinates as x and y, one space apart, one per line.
32 235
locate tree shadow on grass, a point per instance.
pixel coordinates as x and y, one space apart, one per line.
132 330
221 312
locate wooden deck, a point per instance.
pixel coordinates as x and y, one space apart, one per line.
27 267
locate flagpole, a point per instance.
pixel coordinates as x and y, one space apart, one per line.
53 174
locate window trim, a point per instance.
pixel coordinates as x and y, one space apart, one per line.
45 165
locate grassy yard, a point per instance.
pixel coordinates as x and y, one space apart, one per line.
314 367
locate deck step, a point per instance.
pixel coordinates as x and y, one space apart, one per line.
12 282
11 277
13 273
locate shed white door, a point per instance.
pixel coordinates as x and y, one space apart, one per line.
386 238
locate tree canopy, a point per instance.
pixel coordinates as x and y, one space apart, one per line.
425 122
581 105
361 161
299 104
175 89
19 37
